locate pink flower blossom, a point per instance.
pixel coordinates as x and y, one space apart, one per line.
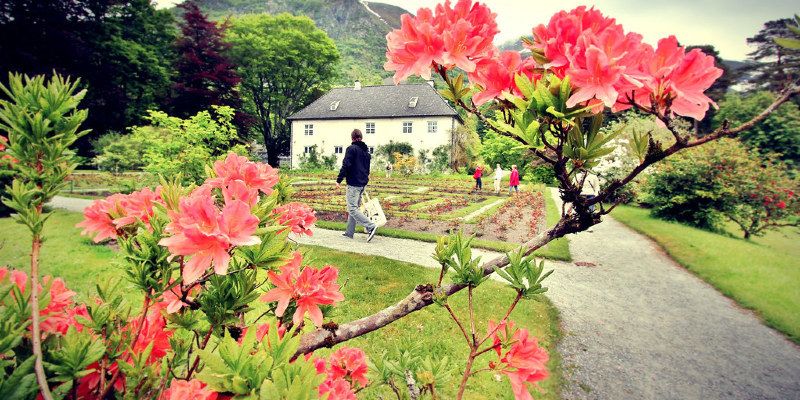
349 362
496 75
453 37
188 390
308 288
203 232
523 363
99 216
298 217
254 175
337 389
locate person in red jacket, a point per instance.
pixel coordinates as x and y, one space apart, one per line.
477 176
513 180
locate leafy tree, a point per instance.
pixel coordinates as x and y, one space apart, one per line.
389 150
119 153
120 50
284 62
771 65
441 159
175 146
205 74
778 133
501 150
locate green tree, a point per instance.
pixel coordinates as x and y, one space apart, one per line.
175 146
284 62
778 133
771 65
501 150
121 50
118 153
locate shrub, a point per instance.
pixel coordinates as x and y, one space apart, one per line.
120 153
388 150
541 174
723 180
186 146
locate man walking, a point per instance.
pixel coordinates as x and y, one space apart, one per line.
355 169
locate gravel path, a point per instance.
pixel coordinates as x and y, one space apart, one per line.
639 326
636 325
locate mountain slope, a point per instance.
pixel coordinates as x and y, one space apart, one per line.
358 28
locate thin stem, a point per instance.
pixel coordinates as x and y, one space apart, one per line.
197 360
466 375
510 309
41 378
472 344
145 307
466 337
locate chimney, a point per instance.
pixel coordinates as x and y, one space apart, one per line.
357 85
430 82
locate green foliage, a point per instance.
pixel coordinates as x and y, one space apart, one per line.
722 180
41 121
541 174
772 66
503 150
388 150
779 133
314 161
175 146
427 374
523 274
441 159
285 62
118 153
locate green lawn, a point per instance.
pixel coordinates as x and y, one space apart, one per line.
760 274
372 283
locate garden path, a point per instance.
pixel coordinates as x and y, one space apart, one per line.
639 326
636 324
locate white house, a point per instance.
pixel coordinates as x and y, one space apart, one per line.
412 113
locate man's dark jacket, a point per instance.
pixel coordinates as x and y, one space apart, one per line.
355 166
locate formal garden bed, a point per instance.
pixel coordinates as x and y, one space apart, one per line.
434 205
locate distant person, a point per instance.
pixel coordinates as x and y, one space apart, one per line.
388 168
513 180
477 177
355 169
498 176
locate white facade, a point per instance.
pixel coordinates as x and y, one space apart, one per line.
332 136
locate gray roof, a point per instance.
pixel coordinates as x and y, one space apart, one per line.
385 101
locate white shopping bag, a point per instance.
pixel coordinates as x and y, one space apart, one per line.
372 209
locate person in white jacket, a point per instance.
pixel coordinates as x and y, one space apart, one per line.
498 176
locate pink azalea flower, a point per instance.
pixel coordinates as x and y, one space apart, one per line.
137 206
349 362
496 75
455 37
298 217
309 288
412 49
254 175
337 389
188 390
98 218
153 331
524 362
238 190
205 233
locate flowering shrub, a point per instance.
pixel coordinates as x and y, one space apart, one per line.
195 253
724 181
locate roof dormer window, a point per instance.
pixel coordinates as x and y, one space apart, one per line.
334 105
413 102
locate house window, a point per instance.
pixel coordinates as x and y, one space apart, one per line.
432 126
370 129
407 126
308 149
309 130
337 149
371 150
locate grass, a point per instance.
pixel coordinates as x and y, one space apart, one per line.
372 284
557 249
759 274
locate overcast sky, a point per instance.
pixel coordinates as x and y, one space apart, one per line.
726 24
